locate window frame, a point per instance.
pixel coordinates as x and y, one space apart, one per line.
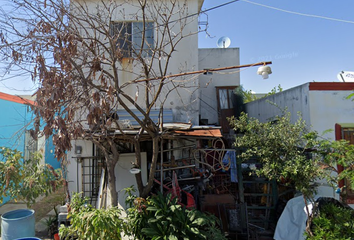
131 41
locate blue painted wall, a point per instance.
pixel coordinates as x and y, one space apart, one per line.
50 154
15 118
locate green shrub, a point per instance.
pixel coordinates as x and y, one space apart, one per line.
332 223
90 223
162 217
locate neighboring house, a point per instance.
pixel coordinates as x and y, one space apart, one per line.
15 123
323 105
216 87
187 113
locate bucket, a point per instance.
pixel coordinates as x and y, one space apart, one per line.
18 224
28 238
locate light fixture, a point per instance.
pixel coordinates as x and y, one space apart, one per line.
264 71
78 150
135 170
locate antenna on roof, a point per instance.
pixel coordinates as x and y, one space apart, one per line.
223 42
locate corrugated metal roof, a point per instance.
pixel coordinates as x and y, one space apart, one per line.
181 132
154 115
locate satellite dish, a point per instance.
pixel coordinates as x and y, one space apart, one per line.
223 42
346 76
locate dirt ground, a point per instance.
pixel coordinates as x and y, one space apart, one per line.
46 204
43 207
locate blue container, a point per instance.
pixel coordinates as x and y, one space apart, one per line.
18 224
28 238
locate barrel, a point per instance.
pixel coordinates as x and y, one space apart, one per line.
28 238
18 224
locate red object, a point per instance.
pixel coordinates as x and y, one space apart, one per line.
177 192
56 236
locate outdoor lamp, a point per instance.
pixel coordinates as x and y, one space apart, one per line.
78 150
134 170
264 71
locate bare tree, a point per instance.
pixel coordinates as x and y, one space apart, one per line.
91 58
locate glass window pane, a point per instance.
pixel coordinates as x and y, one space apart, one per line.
137 36
223 99
149 40
230 98
138 30
122 32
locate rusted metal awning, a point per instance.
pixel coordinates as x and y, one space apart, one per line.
199 133
172 131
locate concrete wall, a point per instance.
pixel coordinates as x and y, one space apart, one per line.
49 154
14 118
295 100
329 108
216 58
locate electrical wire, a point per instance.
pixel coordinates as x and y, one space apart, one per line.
191 15
298 13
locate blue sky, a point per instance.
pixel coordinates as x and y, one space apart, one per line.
302 49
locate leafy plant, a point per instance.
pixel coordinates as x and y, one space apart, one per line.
52 223
282 149
289 151
90 223
332 222
160 217
26 180
249 95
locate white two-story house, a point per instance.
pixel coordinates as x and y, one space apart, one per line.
157 67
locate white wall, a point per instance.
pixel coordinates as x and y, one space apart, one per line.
74 171
216 58
295 100
329 108
124 178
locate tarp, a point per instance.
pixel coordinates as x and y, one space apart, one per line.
292 222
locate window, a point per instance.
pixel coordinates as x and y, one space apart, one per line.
31 145
129 38
224 95
225 98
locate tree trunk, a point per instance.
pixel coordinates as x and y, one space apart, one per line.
138 177
111 163
111 156
155 154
